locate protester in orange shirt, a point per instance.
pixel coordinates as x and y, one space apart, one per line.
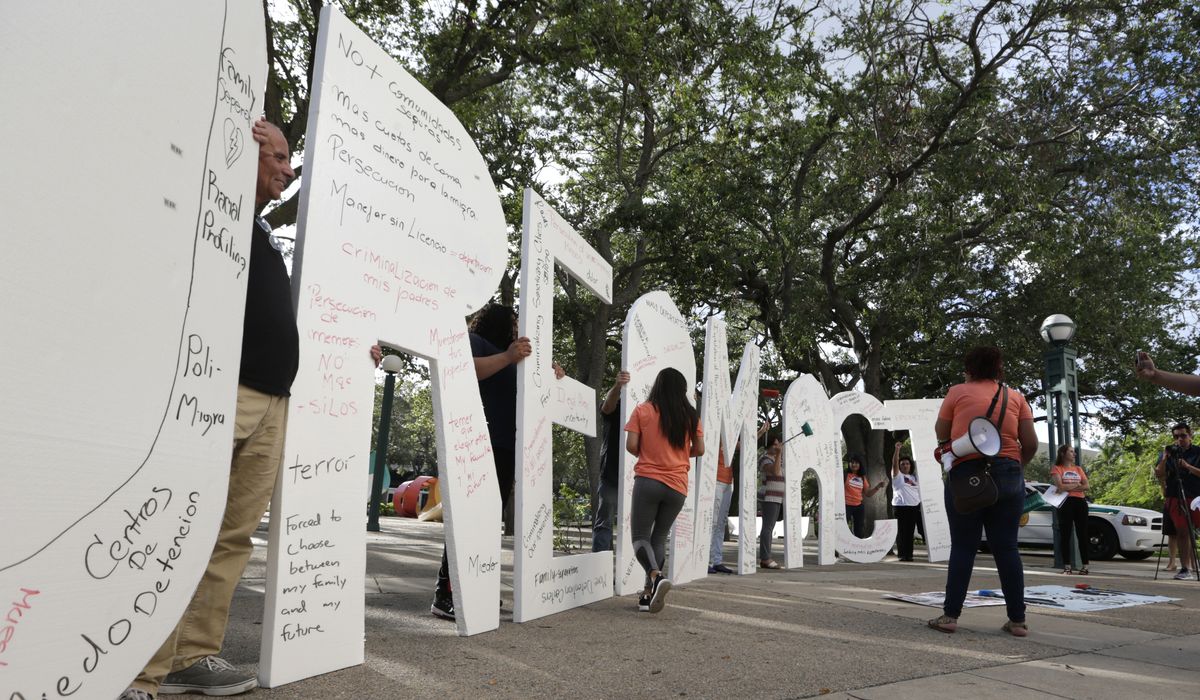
1073 513
664 433
983 390
857 488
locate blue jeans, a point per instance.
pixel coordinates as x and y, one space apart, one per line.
1001 521
720 516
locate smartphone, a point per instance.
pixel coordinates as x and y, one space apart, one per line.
1139 359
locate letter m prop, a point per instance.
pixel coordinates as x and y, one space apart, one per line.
728 418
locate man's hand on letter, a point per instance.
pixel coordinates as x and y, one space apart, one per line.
519 350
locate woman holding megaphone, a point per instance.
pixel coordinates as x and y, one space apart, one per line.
997 450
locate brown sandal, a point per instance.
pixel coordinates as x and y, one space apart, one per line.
1016 629
945 623
769 564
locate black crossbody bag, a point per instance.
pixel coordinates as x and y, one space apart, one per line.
971 482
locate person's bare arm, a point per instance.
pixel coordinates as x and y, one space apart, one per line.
941 429
875 489
697 447
613 399
633 443
488 365
896 461
1029 440
1183 383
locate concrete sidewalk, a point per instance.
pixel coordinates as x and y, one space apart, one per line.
778 634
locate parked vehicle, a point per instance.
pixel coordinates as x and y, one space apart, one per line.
1132 532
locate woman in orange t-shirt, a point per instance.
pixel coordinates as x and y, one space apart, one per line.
664 433
857 486
1073 513
983 390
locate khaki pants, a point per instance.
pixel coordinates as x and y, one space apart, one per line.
257 454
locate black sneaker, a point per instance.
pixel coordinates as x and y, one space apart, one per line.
719 569
644 603
658 595
443 606
1183 575
211 675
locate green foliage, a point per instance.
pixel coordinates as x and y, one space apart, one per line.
570 460
1038 468
572 511
1123 474
412 440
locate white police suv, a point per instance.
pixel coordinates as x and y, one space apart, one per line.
1132 532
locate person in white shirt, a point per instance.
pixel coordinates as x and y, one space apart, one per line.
906 503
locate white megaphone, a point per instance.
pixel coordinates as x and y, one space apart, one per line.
982 437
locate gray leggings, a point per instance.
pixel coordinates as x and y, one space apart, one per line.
654 508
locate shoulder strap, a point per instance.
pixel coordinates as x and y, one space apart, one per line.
1003 405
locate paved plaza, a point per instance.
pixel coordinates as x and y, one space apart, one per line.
815 631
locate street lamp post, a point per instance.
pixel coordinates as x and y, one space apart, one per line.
391 364
1061 386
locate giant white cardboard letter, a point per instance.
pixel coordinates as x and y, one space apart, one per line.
806 402
544 584
917 416
728 418
127 191
656 336
400 236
